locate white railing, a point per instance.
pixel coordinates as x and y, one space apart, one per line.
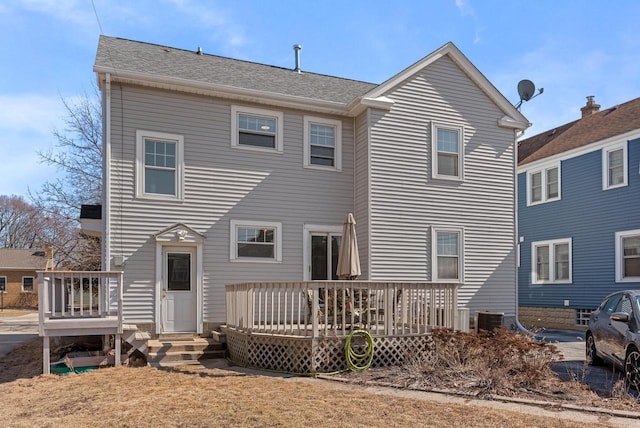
79 294
323 308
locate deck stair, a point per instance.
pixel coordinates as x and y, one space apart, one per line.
136 338
179 349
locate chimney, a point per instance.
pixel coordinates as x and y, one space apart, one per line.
590 108
48 252
297 49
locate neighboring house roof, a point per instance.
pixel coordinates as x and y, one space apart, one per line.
617 120
92 212
170 68
18 259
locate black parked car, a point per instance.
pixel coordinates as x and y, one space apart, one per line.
614 334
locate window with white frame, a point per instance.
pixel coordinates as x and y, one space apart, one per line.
255 241
3 284
159 165
543 184
256 129
627 255
614 166
551 262
447 250
322 143
447 151
27 284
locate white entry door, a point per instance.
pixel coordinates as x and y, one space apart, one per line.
178 299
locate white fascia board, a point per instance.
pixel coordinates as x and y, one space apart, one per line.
509 122
579 151
224 91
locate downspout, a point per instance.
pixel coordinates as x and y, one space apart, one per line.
516 240
106 176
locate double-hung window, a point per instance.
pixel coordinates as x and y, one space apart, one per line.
551 262
159 165
256 129
447 245
255 241
627 255
322 143
543 185
614 166
3 284
447 152
27 284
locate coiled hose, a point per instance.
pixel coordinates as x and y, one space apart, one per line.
359 361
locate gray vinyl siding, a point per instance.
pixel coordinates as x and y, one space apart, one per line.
406 202
220 184
361 194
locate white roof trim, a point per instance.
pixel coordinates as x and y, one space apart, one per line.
469 69
579 151
179 233
509 122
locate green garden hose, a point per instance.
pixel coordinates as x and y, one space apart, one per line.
359 361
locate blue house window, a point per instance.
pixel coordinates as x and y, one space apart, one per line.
543 184
551 262
614 166
628 256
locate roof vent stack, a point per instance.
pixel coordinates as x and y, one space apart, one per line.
199 51
297 49
591 107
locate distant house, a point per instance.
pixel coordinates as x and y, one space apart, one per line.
578 215
18 278
220 171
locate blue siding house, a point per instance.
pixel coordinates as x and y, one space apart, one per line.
578 215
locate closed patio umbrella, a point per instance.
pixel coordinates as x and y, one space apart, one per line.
348 257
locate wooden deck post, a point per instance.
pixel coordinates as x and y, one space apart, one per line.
117 339
46 356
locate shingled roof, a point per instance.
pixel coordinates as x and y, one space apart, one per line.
18 259
118 55
617 120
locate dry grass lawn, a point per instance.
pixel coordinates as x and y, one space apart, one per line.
147 396
6 312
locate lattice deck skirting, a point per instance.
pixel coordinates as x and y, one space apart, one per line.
319 355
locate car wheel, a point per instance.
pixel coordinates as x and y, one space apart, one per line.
632 369
591 355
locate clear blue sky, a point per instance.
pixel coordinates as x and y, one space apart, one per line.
570 48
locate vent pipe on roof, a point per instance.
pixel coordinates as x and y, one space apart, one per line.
199 51
297 49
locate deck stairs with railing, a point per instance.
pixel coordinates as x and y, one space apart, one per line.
184 349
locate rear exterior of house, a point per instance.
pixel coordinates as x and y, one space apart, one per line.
578 223
221 171
18 277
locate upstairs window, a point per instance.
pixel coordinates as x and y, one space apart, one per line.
447 152
614 166
256 129
159 165
551 262
322 143
543 185
627 256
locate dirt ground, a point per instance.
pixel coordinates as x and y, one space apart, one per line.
144 396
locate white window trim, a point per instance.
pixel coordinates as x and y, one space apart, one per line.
434 151
308 120
307 231
605 165
434 253
5 284
277 115
543 173
552 262
233 241
619 255
33 278
179 139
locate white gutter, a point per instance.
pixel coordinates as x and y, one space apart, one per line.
106 176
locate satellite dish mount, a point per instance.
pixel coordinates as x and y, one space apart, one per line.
526 90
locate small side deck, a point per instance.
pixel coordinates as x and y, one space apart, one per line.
79 303
302 327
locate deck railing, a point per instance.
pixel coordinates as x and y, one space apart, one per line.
334 308
79 294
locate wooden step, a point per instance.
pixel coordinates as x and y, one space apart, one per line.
184 351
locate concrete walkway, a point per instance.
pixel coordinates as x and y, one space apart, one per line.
16 330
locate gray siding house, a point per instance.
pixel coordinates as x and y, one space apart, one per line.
220 171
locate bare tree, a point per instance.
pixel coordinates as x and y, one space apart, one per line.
20 223
78 157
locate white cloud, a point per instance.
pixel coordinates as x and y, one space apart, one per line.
76 12
465 8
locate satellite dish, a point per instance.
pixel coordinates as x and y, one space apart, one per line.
526 88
